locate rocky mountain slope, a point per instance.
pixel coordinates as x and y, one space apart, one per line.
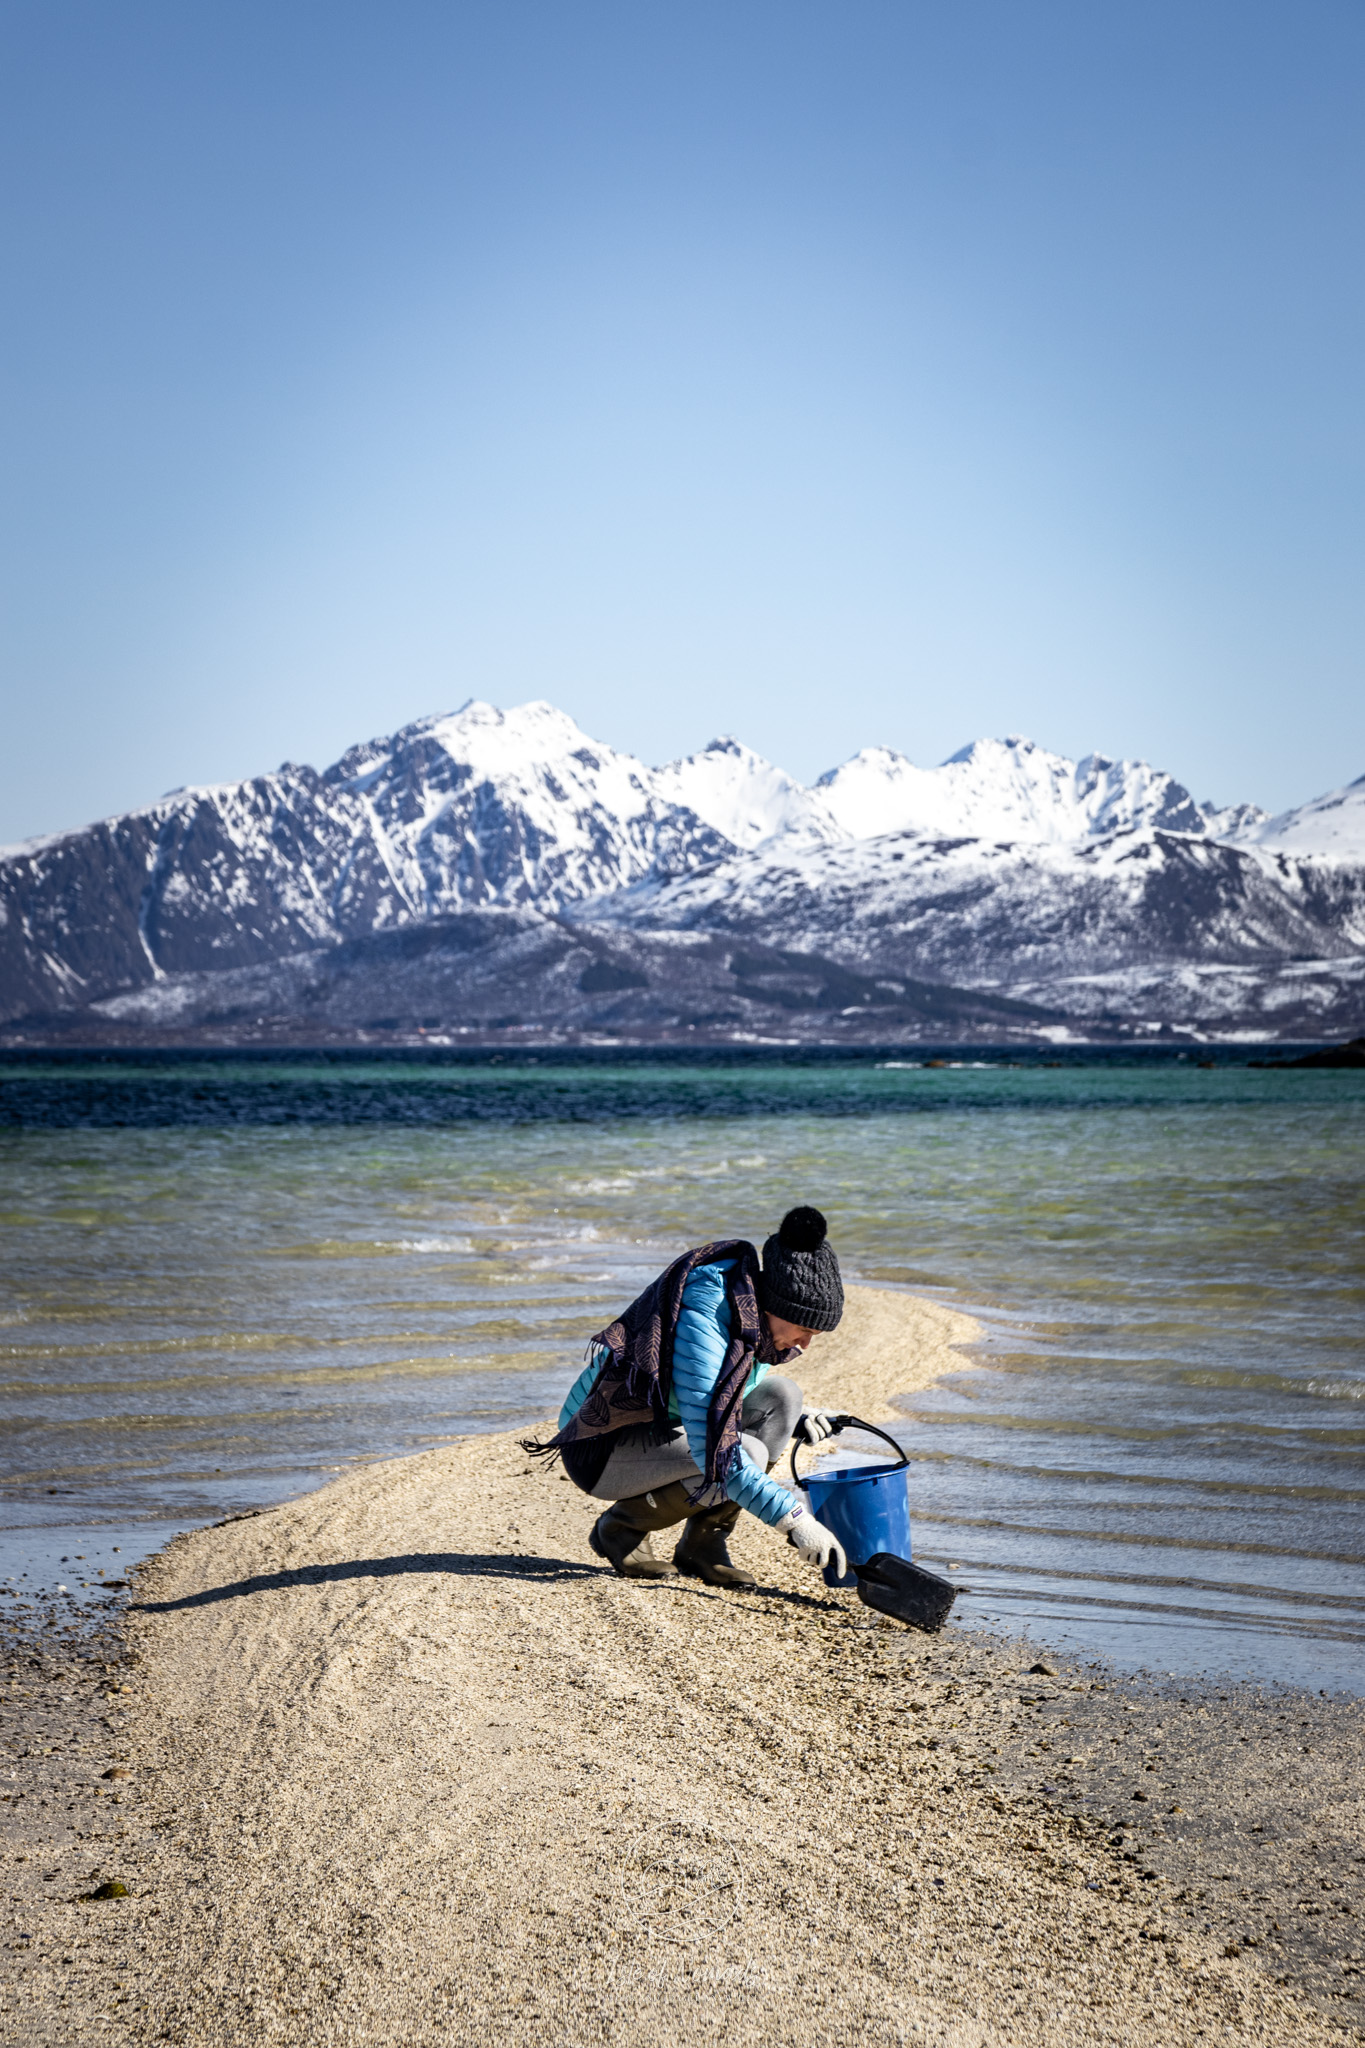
1136 931
476 810
495 871
981 908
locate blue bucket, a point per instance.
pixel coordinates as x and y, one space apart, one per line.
866 1506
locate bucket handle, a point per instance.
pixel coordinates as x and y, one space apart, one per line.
841 1422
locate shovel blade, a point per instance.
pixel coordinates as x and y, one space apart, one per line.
896 1587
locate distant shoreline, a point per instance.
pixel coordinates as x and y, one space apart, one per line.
406 1051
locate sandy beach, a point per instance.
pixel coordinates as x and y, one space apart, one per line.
386 1785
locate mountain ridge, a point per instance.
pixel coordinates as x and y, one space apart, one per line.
1109 794
1008 870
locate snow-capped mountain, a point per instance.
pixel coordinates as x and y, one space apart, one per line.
1007 789
1033 880
480 809
488 806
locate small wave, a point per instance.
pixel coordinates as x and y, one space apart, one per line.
428 1244
1272 1383
367 1247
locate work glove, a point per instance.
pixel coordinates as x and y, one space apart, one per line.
817 1544
813 1425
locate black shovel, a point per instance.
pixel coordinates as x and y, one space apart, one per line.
895 1586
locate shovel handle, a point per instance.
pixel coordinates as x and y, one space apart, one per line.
842 1422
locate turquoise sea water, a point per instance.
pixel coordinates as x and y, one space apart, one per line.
223 1281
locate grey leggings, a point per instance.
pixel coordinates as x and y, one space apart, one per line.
641 1459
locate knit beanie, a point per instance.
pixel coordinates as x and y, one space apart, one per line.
801 1280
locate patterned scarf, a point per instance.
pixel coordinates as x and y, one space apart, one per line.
633 1385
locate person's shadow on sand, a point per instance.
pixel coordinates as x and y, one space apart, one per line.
496 1565
461 1565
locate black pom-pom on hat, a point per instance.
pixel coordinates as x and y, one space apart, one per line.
802 1230
801 1280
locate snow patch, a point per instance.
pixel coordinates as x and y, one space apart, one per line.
746 798
1331 826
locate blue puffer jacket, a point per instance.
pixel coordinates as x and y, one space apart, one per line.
699 1346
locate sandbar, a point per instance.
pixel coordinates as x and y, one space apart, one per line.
405 1763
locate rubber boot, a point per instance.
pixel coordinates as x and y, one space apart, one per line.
620 1536
702 1552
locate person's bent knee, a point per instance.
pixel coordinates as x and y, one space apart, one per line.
771 1412
784 1399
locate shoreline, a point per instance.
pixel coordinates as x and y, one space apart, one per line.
406 1763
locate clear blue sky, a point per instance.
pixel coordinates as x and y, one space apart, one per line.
869 371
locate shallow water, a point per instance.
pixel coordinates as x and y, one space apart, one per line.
223 1281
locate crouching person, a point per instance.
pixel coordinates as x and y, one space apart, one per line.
680 1416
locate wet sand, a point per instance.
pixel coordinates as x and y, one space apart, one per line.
407 1764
